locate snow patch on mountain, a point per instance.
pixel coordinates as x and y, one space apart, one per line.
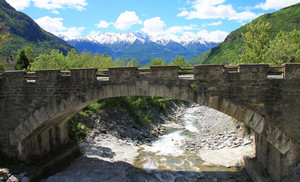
141 37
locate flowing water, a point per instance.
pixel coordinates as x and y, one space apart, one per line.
174 156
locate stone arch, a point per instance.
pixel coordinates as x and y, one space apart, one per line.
64 109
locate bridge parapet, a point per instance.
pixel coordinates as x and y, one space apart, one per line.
85 75
253 71
209 72
164 72
47 76
121 74
292 71
13 78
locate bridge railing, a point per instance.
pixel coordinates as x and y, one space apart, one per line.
198 72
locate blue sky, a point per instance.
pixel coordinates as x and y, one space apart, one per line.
204 18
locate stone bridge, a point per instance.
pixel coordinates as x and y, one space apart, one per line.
35 107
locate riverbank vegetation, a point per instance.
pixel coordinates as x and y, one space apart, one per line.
141 109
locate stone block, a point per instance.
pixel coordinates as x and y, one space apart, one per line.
164 72
124 90
47 77
257 118
116 90
41 115
260 126
108 91
224 106
248 116
176 92
152 90
200 98
239 113
13 78
274 163
206 73
232 109
283 143
168 91
214 102
291 71
253 71
83 76
122 74
142 88
132 89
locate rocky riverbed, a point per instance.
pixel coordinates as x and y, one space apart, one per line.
198 144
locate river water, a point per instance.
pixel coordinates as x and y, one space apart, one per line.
200 146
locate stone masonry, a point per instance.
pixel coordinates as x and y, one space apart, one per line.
35 107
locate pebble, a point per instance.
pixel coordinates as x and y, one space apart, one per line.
215 142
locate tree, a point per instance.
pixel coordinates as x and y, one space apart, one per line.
285 48
3 39
157 62
256 42
179 61
24 58
133 63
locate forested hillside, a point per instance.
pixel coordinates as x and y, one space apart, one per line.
23 31
228 52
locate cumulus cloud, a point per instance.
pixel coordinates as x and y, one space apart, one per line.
215 36
214 9
49 4
55 12
72 32
276 4
58 4
154 25
126 20
103 24
56 27
215 23
19 4
180 29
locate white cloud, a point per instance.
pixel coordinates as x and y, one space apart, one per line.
72 32
154 25
126 20
19 4
180 29
214 9
55 12
52 25
215 23
103 24
215 36
58 4
56 27
243 16
276 4
49 4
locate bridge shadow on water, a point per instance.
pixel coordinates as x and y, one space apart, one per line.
94 169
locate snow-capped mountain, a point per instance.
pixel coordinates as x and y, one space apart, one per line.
142 46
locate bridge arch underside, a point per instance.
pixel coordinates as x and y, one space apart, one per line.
46 128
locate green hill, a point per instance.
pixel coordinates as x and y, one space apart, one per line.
228 51
25 32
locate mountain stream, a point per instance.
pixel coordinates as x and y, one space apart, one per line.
201 145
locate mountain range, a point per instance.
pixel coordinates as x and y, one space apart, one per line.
142 46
